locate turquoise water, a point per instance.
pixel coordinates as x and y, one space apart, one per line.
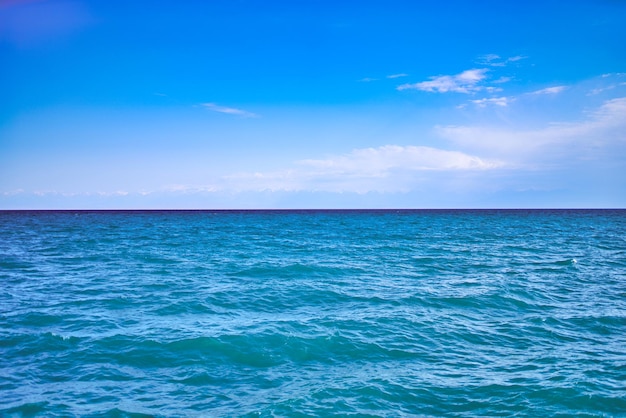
313 313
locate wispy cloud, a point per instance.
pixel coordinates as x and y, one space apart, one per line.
465 82
114 193
186 188
607 88
613 75
101 193
516 58
488 59
378 161
615 80
494 101
229 110
397 75
599 131
13 192
502 80
391 77
495 60
389 168
504 101
549 90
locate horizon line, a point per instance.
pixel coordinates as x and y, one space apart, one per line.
311 209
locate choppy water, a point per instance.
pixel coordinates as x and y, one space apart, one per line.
314 313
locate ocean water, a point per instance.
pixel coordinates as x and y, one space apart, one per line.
313 313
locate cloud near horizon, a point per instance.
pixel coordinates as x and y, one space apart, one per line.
375 161
384 169
389 168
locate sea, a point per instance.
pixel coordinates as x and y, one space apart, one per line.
307 313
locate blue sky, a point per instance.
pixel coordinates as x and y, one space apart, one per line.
312 104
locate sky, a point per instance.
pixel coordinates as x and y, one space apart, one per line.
241 104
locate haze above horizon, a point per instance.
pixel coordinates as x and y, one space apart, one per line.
275 104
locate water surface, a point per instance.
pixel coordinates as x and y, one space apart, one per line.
313 313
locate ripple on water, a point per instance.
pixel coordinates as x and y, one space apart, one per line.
439 313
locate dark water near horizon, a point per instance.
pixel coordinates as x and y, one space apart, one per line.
313 313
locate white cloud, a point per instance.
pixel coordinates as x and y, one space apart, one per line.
516 58
397 75
495 60
378 161
495 101
115 193
389 168
502 80
391 76
613 75
229 110
489 59
549 90
611 112
184 188
465 82
603 89
43 193
607 82
597 131
13 192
